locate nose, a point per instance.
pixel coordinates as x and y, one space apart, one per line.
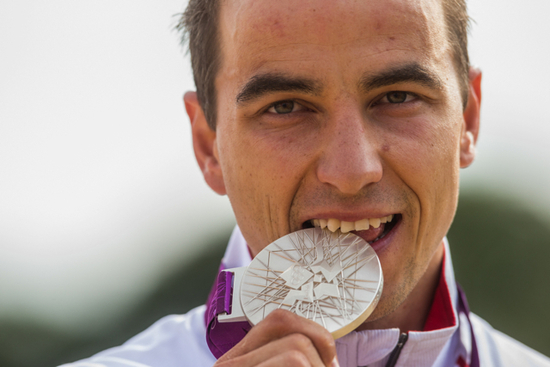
350 159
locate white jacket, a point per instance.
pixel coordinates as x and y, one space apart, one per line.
180 340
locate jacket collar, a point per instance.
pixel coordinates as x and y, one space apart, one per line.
373 347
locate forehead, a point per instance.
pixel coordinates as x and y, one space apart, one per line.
258 34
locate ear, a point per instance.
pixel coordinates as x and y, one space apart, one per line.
204 144
470 129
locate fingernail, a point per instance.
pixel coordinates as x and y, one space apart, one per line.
335 362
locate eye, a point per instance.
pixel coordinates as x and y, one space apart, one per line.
398 97
284 107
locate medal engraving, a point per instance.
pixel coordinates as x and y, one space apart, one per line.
333 279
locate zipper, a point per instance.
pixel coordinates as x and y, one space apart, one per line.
394 356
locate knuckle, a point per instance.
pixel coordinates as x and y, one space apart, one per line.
280 315
300 341
326 346
295 358
327 340
278 320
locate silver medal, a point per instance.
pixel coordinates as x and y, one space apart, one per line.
334 279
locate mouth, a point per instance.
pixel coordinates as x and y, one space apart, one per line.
370 229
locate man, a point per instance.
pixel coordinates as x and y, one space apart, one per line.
337 112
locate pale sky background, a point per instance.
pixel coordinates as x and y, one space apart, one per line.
100 196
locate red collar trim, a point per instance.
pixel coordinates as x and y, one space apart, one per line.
441 313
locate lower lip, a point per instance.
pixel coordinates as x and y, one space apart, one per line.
381 244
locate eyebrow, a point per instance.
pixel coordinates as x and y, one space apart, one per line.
408 73
260 85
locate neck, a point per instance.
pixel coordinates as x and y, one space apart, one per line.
413 312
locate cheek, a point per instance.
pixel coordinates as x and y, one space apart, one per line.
284 155
262 173
260 164
422 149
425 156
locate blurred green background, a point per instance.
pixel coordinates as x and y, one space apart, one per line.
500 251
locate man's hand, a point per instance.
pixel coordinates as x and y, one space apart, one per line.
283 339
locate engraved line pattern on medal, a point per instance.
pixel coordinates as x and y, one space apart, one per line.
317 279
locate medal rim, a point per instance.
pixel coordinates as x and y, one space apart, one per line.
359 319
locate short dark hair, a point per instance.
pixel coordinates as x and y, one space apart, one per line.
457 22
199 25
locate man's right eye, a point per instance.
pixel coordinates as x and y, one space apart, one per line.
397 97
284 107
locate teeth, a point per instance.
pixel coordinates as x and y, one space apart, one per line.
333 224
361 225
345 227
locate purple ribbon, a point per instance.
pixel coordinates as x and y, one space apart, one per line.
222 336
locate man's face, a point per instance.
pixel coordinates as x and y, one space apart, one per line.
342 110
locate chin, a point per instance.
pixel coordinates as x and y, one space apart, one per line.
393 297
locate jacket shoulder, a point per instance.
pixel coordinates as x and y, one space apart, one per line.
499 350
172 341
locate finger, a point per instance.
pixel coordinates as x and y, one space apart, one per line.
281 323
297 346
292 358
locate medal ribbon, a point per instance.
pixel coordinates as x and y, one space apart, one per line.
222 336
